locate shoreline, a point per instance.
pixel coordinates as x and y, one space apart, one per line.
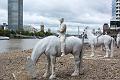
14 51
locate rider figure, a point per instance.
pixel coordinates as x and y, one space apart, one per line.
62 37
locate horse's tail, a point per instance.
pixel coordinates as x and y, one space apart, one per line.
112 46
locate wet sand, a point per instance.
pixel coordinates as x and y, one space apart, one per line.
97 68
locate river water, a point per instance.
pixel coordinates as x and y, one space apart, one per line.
17 44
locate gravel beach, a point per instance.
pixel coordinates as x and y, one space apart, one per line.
12 66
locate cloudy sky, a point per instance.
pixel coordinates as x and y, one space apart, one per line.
93 13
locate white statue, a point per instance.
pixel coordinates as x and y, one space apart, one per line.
62 32
50 46
118 40
103 40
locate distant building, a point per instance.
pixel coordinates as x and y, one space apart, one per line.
115 24
4 26
115 10
105 28
42 27
115 21
49 30
15 15
29 28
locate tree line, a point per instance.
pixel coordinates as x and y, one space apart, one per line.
12 33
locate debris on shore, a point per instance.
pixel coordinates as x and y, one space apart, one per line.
12 66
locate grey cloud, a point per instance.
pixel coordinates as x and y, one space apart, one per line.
74 11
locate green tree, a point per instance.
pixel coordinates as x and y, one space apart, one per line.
1 32
41 34
48 34
7 33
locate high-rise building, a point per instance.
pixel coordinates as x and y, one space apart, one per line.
115 21
116 10
15 15
113 9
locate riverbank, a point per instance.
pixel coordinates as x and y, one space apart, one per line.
97 68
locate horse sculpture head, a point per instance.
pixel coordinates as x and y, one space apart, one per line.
30 67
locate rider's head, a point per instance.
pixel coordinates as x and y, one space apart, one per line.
61 20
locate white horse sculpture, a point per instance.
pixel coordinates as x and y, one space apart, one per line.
50 46
103 40
118 40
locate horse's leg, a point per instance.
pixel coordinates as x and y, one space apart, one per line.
118 43
77 65
102 48
112 47
47 72
107 50
93 51
53 61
